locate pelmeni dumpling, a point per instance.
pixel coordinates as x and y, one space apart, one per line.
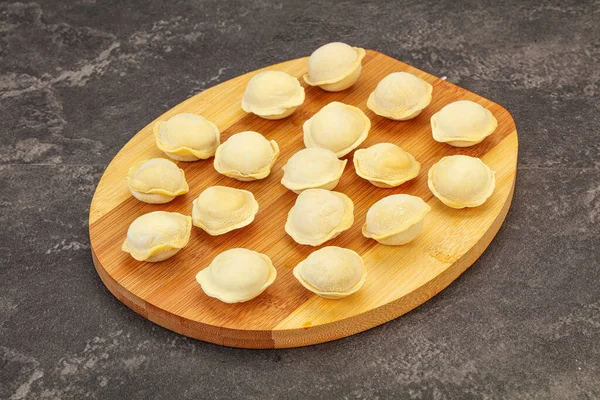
334 66
337 127
156 181
157 235
319 215
385 165
395 220
462 124
237 275
400 96
246 156
461 181
187 137
332 272
221 209
312 168
272 95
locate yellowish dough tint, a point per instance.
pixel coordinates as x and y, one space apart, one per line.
396 219
272 95
312 168
335 66
157 235
221 209
385 165
337 127
246 156
237 275
187 137
156 181
462 124
461 181
400 96
332 272
319 215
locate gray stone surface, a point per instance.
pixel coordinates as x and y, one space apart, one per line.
78 79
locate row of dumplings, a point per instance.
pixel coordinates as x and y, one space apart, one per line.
238 275
333 132
399 96
318 214
338 127
458 181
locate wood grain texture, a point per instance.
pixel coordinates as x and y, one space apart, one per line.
286 315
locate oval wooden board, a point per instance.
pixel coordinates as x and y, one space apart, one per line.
286 315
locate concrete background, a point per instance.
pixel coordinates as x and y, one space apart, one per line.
78 79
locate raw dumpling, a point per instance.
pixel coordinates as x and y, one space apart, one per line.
318 216
400 96
237 275
385 165
462 124
156 181
187 137
461 181
312 168
332 272
220 209
334 66
272 95
246 156
337 127
157 236
396 219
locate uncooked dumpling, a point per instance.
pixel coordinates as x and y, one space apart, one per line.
157 235
318 216
246 156
272 95
400 96
220 209
156 181
396 219
187 137
385 165
337 127
332 272
463 124
461 181
237 275
334 66
312 168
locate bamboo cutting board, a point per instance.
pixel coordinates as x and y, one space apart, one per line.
287 315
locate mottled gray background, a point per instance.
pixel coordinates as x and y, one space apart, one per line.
78 79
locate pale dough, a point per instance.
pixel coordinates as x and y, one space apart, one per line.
461 181
400 96
237 275
332 272
221 209
272 95
157 235
187 137
246 156
156 181
312 168
335 66
337 127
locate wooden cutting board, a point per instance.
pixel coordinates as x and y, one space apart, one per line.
287 315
